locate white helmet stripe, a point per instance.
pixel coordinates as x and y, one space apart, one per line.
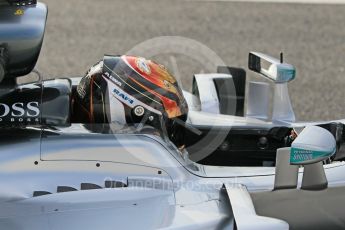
120 95
116 109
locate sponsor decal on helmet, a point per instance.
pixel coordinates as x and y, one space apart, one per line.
166 84
81 90
112 79
125 97
162 67
20 112
143 66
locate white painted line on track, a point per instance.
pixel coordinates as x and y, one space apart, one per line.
341 2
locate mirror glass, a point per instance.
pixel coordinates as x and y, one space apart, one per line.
271 67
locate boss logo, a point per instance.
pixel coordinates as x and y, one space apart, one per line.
19 110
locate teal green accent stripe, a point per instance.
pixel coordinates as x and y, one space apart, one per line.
287 75
298 156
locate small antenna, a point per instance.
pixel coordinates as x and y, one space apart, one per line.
281 57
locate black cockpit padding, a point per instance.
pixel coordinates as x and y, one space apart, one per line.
56 106
89 186
114 184
228 98
65 189
40 193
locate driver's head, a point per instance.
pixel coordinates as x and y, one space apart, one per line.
127 90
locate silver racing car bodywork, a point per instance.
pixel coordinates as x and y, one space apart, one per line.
77 178
243 169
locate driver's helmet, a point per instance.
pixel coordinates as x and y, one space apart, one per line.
131 90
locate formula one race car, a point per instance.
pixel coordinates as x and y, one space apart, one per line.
237 171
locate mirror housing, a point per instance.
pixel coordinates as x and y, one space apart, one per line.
314 144
21 36
271 68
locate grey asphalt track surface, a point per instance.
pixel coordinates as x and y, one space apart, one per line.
312 37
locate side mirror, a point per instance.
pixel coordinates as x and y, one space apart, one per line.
314 144
21 36
271 68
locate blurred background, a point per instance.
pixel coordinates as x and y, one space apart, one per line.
312 37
